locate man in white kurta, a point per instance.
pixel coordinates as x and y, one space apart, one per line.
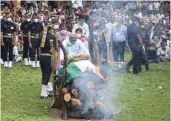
76 48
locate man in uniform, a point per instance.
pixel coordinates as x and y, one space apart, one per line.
24 36
2 19
8 38
47 48
136 45
35 34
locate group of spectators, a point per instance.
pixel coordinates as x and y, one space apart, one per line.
102 22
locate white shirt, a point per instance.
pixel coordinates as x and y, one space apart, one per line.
23 11
140 15
75 49
166 52
160 16
150 6
156 5
85 29
77 3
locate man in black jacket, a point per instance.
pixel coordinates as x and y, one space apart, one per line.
35 35
24 35
47 47
8 34
136 45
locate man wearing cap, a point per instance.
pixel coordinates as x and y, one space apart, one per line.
24 36
35 35
136 44
8 38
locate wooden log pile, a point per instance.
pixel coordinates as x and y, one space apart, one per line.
84 97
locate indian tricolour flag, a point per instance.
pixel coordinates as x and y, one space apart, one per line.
75 68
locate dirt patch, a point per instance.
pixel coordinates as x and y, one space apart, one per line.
55 115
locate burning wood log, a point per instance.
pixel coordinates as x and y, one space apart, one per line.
101 92
76 101
74 92
99 104
93 93
92 106
64 90
82 96
67 97
90 85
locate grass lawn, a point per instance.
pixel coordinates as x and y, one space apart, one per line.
21 89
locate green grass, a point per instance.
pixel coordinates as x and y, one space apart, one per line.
20 95
21 89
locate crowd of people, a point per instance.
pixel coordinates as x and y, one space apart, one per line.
143 27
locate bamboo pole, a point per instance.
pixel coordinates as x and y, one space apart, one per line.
64 109
96 53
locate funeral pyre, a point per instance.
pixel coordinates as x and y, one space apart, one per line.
86 97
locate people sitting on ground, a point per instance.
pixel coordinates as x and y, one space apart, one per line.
163 52
152 52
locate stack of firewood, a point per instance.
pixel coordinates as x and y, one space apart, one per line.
85 93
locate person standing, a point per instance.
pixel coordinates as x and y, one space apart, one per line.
136 44
61 35
102 46
45 61
108 33
8 38
35 34
102 40
2 19
118 41
24 36
85 29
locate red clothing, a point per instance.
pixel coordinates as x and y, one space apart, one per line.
6 11
169 10
17 29
87 12
12 4
83 38
59 16
79 12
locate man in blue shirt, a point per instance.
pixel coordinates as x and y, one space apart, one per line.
118 37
